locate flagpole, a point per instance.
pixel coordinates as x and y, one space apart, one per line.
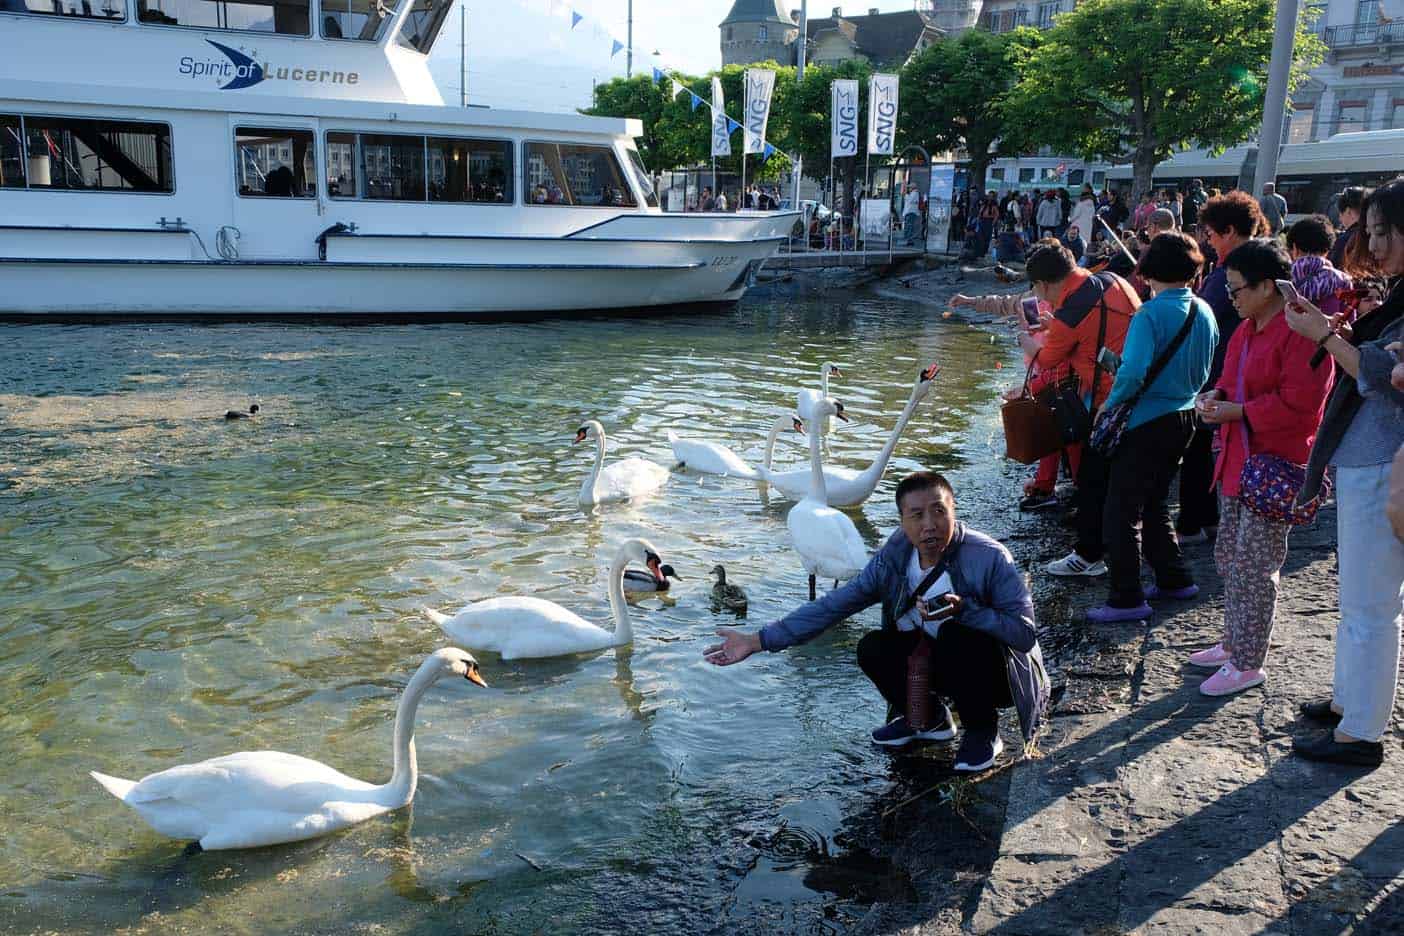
742 194
867 170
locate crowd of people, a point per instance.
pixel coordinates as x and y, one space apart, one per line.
1217 350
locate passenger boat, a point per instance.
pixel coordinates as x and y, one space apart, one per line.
288 157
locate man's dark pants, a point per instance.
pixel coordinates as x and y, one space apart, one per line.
967 666
1136 517
1199 504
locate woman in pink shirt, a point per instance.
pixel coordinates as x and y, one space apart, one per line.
1269 400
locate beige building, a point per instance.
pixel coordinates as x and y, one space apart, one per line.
760 30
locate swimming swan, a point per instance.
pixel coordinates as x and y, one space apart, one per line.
258 798
711 458
525 628
806 399
621 481
849 488
827 540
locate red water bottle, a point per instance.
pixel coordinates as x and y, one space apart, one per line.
919 684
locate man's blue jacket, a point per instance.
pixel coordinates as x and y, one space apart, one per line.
996 601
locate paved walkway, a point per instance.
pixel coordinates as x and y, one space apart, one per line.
1159 810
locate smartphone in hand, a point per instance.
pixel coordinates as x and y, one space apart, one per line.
1289 292
1029 306
1109 361
938 609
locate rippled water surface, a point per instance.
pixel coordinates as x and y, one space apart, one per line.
175 587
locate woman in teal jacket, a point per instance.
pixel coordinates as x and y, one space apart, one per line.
1136 519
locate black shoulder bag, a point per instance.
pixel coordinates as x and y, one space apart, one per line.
1111 425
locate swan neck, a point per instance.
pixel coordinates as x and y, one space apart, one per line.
774 434
880 462
587 491
404 779
817 489
618 607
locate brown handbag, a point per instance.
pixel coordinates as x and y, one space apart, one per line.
1031 429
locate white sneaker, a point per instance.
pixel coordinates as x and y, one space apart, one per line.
1073 565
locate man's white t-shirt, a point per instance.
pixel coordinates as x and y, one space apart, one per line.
915 573
911 204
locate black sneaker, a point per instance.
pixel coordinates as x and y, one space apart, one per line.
1320 711
897 732
1325 747
1038 501
978 751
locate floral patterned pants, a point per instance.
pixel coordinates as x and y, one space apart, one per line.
1249 555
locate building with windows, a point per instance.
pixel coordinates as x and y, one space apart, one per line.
1360 85
761 30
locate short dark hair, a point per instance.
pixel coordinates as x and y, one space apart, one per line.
920 481
1049 262
1236 210
1311 235
1171 257
1259 259
1351 198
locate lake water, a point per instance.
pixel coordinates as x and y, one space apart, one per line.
174 587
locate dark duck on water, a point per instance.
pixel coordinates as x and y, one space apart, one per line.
240 414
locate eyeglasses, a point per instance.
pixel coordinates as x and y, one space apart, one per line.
1233 293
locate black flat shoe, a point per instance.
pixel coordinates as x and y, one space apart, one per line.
1325 747
1320 711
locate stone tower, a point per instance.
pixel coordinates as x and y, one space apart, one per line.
757 30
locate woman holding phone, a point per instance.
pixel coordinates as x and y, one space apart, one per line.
1267 401
1362 429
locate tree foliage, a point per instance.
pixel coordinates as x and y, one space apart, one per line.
1145 78
953 94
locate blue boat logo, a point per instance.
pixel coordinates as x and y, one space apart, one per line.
241 70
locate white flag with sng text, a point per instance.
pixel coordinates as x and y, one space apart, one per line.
760 82
882 114
845 118
721 127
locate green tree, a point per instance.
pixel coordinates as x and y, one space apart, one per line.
808 116
1145 78
953 94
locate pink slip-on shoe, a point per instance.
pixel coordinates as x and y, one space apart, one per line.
1214 657
1228 680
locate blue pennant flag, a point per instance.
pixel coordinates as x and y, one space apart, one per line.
767 152
732 126
575 19
696 101
657 75
617 46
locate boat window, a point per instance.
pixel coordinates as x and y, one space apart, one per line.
11 153
575 174
642 177
101 155
341 165
423 24
393 166
285 17
275 162
469 170
355 19
114 10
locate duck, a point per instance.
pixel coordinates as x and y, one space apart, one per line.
522 628
711 458
257 798
627 479
806 398
844 486
726 595
826 539
643 582
240 414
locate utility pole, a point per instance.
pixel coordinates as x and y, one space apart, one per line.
803 40
463 55
1284 37
629 49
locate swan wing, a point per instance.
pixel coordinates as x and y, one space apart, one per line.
827 541
522 628
630 478
710 458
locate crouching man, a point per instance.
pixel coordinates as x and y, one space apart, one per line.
942 582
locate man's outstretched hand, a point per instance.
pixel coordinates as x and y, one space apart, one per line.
734 648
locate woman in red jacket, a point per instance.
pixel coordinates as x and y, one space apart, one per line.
1269 400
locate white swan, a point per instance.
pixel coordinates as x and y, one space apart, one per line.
523 628
621 481
806 399
711 458
257 798
827 540
846 487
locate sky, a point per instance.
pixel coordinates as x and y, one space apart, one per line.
524 55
